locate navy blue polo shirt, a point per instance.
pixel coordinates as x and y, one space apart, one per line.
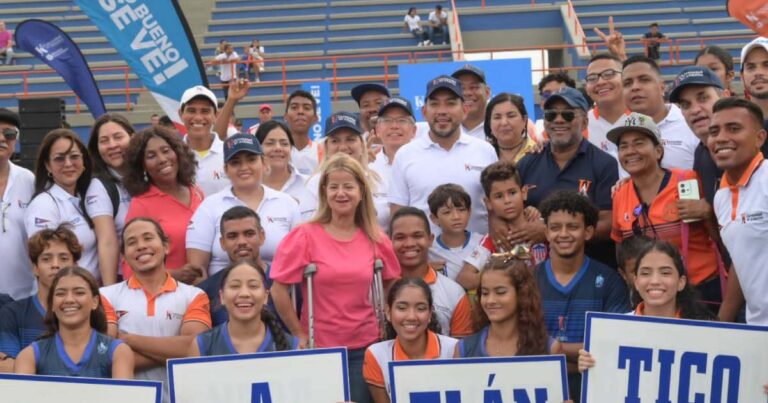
5 299
592 172
21 323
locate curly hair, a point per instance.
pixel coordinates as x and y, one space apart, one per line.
497 172
394 291
532 335
137 181
38 243
98 318
570 202
99 166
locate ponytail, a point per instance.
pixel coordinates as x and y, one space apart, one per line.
282 342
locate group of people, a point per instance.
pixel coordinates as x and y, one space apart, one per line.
486 236
435 29
232 66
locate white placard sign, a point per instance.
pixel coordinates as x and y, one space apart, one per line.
284 376
645 359
531 379
59 389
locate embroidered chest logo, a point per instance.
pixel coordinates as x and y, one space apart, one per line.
173 315
120 314
102 348
469 167
599 281
584 186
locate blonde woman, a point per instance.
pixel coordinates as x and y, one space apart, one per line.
343 240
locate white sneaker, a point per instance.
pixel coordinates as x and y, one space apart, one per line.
420 44
429 43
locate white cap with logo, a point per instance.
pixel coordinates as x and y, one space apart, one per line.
199 91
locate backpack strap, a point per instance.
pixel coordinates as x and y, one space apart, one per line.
114 195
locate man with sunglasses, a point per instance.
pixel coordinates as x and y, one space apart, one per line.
570 162
548 85
603 85
17 185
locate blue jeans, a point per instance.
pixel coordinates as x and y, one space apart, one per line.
419 35
358 388
441 31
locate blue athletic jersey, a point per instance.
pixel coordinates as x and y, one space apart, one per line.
596 287
96 362
21 323
474 345
217 342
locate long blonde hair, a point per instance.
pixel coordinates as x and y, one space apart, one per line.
365 213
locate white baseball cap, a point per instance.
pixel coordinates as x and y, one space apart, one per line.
197 92
760 41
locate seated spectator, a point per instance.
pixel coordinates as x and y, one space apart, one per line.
6 44
413 25
255 57
438 25
76 336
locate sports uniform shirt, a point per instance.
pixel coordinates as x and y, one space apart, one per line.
379 355
454 257
52 359
55 206
474 346
217 342
598 128
422 165
452 307
210 176
279 213
595 287
663 221
21 323
173 217
344 314
307 159
98 203
483 251
742 212
16 277
678 140
129 306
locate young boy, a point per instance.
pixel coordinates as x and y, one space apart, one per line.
21 322
411 237
505 200
449 207
570 282
626 256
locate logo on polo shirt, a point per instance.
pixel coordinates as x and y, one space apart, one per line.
173 315
626 217
191 225
666 142
41 222
599 281
470 167
584 186
91 199
752 217
120 314
22 204
218 175
277 219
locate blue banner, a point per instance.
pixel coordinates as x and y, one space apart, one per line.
321 90
154 39
504 75
56 49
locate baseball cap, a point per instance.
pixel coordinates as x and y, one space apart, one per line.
444 82
396 102
469 69
341 120
693 75
241 142
265 106
636 122
199 91
760 41
11 117
361 89
571 96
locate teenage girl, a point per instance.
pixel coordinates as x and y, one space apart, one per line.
509 317
413 334
76 343
251 328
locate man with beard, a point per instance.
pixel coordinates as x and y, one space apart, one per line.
754 73
476 93
444 156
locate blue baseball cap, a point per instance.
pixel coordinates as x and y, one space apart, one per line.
571 96
693 75
444 83
469 69
241 142
361 89
342 120
396 102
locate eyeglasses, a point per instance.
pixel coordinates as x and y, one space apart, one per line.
567 114
61 159
11 133
393 121
605 75
642 211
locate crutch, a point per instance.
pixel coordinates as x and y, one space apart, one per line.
378 298
309 273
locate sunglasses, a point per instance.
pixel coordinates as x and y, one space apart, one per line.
10 133
567 114
642 211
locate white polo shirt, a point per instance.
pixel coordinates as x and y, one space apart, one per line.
453 257
742 213
307 159
477 132
56 206
229 67
598 128
16 277
679 141
422 165
98 203
296 187
210 176
278 211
